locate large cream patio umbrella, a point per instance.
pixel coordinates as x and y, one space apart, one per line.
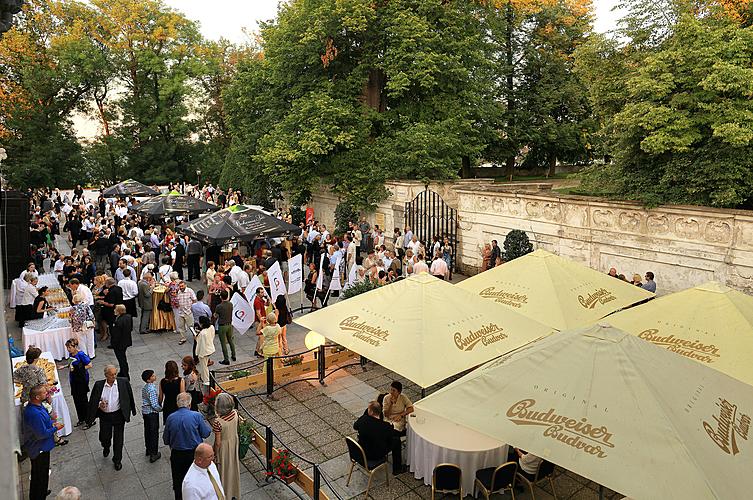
615 409
423 328
711 324
554 290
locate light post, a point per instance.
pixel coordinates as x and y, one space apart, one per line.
198 179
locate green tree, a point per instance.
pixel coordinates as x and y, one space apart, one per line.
43 78
516 245
352 93
555 103
679 112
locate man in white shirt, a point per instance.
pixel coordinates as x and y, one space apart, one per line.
130 291
235 272
202 481
59 264
414 244
313 234
420 266
77 287
439 267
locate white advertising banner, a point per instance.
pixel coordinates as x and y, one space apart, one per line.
276 281
243 313
295 274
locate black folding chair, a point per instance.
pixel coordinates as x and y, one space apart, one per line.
358 457
447 478
499 479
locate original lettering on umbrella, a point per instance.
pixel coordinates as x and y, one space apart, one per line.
600 296
578 433
372 335
729 426
693 349
508 298
487 335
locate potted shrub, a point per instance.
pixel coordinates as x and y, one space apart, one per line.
245 437
283 468
293 360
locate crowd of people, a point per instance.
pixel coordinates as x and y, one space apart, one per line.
119 260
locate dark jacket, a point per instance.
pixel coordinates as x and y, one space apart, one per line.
374 435
125 393
121 332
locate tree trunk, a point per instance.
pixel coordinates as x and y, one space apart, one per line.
552 166
465 168
372 93
511 104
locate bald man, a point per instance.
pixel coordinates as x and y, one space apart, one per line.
202 481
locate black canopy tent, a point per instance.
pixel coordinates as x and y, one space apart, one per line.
173 203
129 188
237 223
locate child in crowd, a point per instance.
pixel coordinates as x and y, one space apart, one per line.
150 409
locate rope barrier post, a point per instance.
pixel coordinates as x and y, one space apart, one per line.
317 481
212 379
423 392
269 437
270 376
321 365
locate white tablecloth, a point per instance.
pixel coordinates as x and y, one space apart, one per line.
53 341
436 440
58 400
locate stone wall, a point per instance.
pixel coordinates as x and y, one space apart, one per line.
683 246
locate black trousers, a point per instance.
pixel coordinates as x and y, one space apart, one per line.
151 433
130 305
80 400
397 452
180 462
76 238
194 270
40 476
111 429
120 355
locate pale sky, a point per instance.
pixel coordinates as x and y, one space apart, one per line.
227 18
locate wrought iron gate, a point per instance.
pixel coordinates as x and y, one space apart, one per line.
428 215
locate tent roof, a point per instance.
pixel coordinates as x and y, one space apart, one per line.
129 187
237 223
554 290
610 407
711 324
423 328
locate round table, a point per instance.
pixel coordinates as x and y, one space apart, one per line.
160 320
53 340
433 440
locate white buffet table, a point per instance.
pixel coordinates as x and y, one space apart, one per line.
433 440
53 339
58 399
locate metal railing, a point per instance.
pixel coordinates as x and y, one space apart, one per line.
271 439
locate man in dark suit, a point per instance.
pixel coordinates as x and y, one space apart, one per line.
377 437
112 402
121 338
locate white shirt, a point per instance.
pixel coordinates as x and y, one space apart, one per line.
163 273
420 267
313 234
439 267
414 246
111 395
88 225
88 297
30 293
59 264
121 211
130 288
236 274
198 486
243 281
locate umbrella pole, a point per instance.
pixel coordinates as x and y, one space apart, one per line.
601 492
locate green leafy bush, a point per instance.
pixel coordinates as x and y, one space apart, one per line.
517 244
344 213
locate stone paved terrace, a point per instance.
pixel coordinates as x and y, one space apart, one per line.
310 419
